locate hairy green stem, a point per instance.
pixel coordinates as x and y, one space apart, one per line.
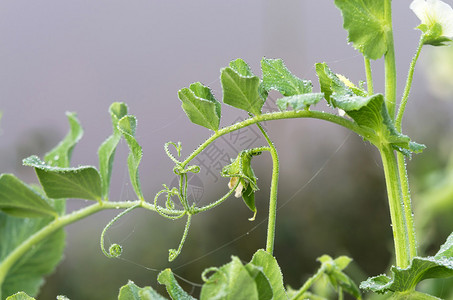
60 222
407 204
399 226
218 202
309 282
407 89
395 169
183 191
174 253
369 76
389 60
277 116
401 160
273 194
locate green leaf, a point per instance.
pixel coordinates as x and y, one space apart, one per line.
365 111
333 270
330 83
20 200
413 295
263 286
60 156
299 102
276 76
27 273
298 93
106 151
272 271
20 296
366 25
131 291
241 88
369 112
127 125
82 182
167 278
201 106
229 282
338 85
248 195
421 268
446 250
342 262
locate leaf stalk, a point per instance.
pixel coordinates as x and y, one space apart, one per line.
369 76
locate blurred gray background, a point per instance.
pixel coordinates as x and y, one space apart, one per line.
81 56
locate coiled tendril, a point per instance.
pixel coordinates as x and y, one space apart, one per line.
169 203
115 250
209 270
178 148
180 192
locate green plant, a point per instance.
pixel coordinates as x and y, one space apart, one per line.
32 217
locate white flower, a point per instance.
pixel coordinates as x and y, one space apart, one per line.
232 184
432 13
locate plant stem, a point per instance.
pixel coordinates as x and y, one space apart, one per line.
273 194
369 76
395 170
399 226
58 223
279 116
401 160
390 66
407 89
174 253
310 282
196 210
407 205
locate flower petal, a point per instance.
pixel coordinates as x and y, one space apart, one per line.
420 7
238 193
444 14
232 182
